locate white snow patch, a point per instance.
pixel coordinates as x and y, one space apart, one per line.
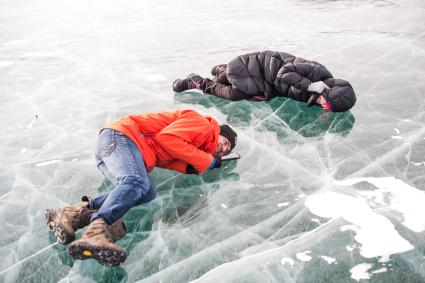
17 42
30 125
24 150
287 260
223 205
402 197
75 159
328 259
155 77
397 137
360 271
282 204
349 248
349 228
44 54
385 258
397 131
372 227
381 270
304 256
5 63
301 195
315 220
41 164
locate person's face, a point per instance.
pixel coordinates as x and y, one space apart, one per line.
223 146
322 102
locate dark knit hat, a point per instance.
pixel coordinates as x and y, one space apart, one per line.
228 133
340 96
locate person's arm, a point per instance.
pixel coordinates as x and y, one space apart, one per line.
177 138
295 74
216 163
302 75
177 165
185 168
183 150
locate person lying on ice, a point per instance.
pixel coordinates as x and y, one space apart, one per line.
126 151
268 74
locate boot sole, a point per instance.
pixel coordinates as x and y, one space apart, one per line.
50 214
103 255
61 236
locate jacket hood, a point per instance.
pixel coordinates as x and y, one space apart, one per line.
341 96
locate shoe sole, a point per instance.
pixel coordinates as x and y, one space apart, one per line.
61 236
103 255
50 215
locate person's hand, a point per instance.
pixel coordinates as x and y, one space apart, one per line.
317 87
217 163
190 169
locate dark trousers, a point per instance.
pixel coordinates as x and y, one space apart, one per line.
221 87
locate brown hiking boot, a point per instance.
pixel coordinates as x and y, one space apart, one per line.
65 221
98 242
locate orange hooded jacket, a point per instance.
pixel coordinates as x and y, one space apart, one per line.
172 140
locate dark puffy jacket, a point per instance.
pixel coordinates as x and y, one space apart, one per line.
272 73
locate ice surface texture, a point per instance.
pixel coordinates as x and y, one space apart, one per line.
316 196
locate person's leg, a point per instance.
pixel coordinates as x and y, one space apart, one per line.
103 140
194 81
99 162
122 158
221 87
150 195
96 202
222 78
124 161
225 91
218 69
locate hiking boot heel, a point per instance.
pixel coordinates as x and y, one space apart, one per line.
50 218
98 242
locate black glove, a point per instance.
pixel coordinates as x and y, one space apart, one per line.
190 169
217 163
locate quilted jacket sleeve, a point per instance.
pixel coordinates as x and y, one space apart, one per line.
300 75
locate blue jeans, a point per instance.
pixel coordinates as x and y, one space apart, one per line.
121 162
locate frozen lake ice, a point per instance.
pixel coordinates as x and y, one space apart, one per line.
316 196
